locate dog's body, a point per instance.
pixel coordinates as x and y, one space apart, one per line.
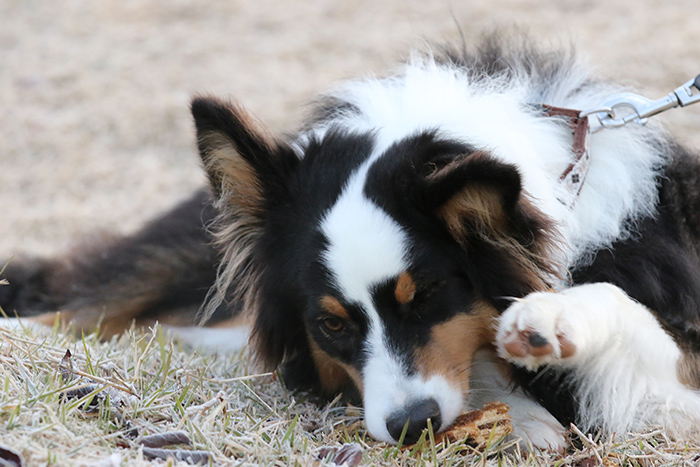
416 237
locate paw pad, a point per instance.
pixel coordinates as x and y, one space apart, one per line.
530 343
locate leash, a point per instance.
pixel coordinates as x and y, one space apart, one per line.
620 109
616 111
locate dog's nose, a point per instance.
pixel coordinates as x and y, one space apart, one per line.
416 415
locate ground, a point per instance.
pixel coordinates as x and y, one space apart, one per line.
95 131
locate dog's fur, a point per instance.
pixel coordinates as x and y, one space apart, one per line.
414 247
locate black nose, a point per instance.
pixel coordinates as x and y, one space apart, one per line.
416 415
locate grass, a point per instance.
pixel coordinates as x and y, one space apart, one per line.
96 406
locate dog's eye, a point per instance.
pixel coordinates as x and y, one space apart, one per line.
333 324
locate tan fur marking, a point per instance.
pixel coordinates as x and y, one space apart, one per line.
113 318
238 182
405 289
231 174
87 320
355 377
688 370
332 373
254 126
453 344
479 205
333 306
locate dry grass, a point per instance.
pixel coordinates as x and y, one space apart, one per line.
94 408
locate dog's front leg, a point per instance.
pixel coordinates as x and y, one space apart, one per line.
580 326
623 362
490 381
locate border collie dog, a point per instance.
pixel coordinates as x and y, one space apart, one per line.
415 246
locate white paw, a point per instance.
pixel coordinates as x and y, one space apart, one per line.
544 434
538 330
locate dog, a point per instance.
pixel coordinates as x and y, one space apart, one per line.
418 246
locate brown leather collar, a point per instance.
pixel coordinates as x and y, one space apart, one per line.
575 174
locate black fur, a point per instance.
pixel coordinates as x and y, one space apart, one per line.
290 239
170 264
659 266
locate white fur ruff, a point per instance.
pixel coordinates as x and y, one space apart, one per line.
496 115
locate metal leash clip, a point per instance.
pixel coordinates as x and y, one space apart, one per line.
620 109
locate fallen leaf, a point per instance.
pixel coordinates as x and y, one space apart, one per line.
165 439
10 457
192 457
66 367
348 454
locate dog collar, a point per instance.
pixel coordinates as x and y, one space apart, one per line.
575 174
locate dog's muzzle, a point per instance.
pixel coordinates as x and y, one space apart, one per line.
414 419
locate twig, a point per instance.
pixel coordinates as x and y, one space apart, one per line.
589 442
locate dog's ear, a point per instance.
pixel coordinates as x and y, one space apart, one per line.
510 242
473 194
248 170
243 161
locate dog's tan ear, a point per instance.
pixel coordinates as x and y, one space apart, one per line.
474 194
243 161
481 202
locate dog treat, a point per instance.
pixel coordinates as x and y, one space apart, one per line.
477 426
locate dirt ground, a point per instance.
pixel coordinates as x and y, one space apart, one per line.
95 132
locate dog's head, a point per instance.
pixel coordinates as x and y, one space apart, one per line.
373 270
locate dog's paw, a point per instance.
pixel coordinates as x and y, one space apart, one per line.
543 434
537 330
